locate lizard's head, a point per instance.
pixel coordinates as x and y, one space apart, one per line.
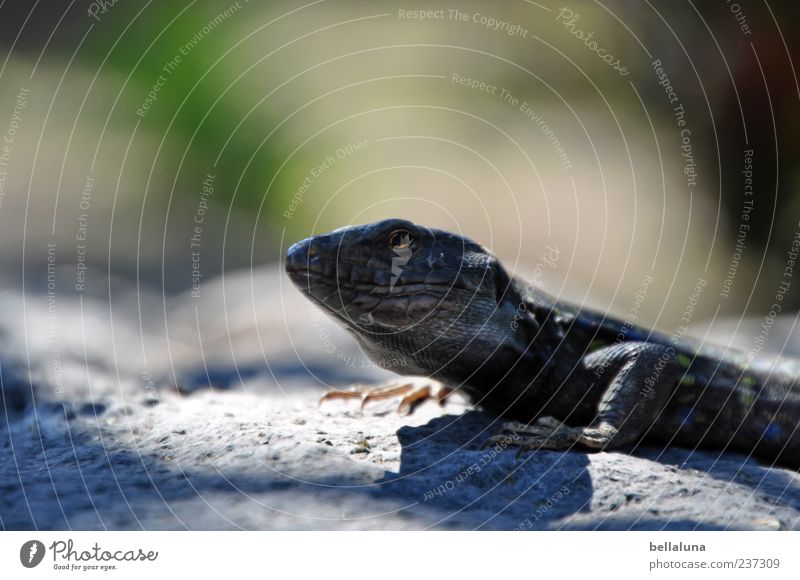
397 285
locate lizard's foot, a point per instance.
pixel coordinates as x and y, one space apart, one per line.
414 392
550 433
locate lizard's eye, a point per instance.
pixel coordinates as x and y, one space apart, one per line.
399 239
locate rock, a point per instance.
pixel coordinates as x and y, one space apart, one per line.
244 445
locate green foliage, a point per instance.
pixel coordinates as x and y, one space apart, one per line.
176 53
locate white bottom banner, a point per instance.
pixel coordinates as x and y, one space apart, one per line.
356 555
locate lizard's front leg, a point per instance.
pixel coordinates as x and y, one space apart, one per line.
642 378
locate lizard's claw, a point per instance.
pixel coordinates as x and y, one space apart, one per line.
550 433
413 392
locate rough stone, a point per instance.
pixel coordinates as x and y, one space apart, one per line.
203 414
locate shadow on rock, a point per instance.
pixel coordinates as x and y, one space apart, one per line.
445 469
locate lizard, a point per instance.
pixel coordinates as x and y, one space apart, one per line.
433 304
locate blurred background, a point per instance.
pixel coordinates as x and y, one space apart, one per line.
168 143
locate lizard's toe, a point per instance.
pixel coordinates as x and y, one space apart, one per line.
551 422
599 437
353 393
545 433
411 391
503 440
541 427
552 442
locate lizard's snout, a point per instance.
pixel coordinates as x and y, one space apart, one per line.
302 257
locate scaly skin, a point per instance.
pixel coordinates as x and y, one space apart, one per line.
446 308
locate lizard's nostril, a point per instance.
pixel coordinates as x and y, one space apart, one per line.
312 251
297 256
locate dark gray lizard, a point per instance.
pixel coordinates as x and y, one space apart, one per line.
430 303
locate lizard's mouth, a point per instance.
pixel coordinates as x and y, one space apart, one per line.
360 296
308 269
306 280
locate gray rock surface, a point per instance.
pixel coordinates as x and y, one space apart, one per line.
201 413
